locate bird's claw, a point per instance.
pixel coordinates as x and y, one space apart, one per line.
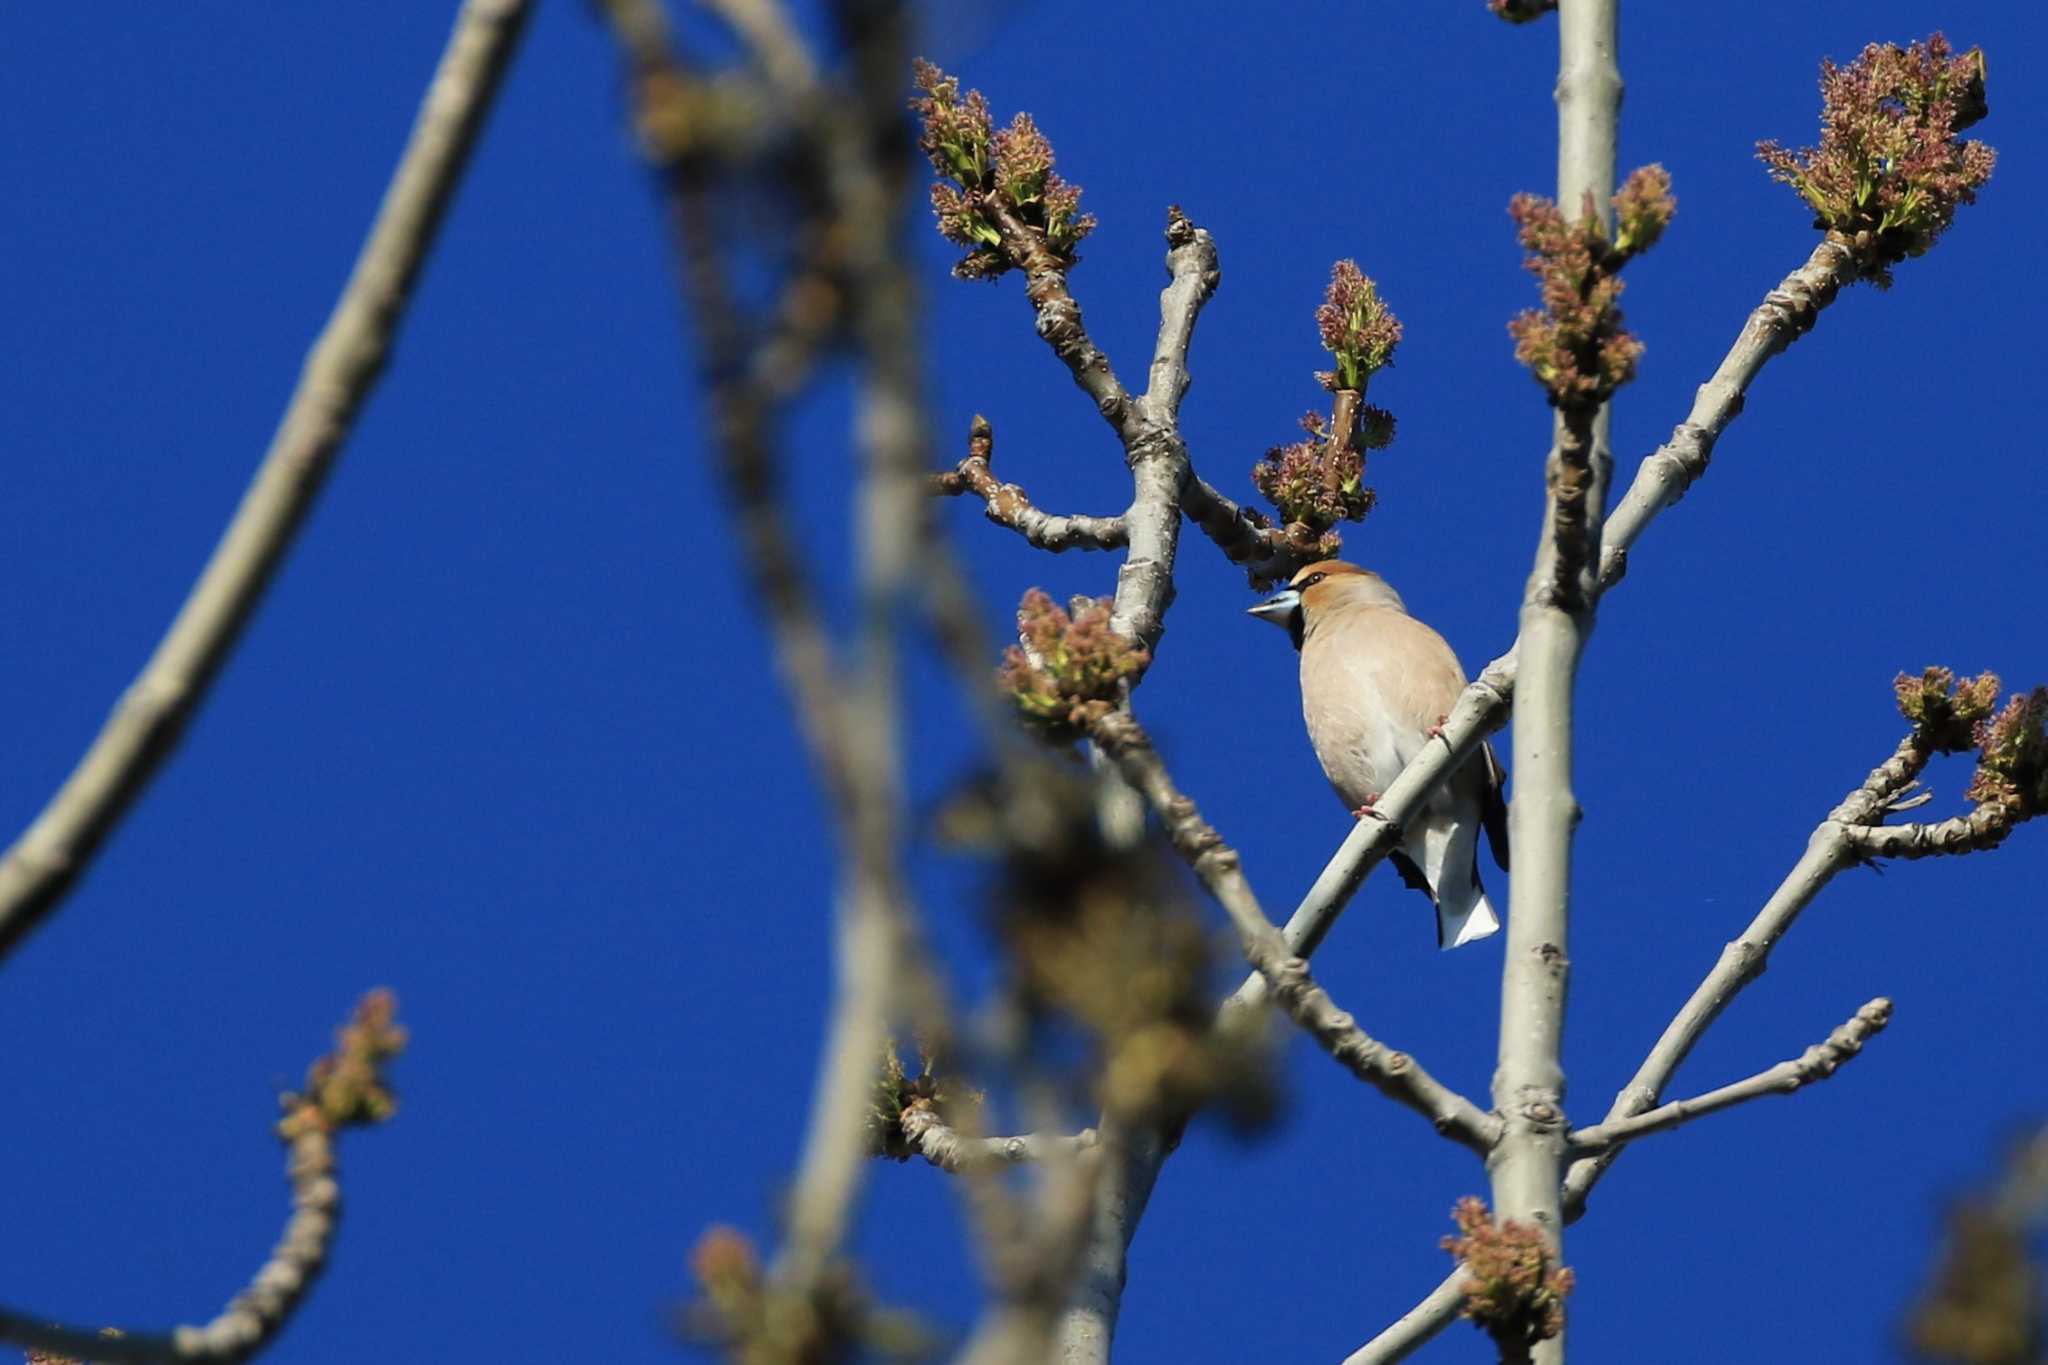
1368 810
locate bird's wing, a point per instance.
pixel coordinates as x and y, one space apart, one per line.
1493 806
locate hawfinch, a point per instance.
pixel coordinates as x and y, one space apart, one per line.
1375 686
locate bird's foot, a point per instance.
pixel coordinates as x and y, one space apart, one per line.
1368 810
1436 731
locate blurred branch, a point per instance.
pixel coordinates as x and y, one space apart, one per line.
1983 1304
1817 1063
344 1089
848 284
952 1151
1009 505
339 372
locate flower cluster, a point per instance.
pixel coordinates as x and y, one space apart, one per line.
2012 757
1890 171
898 1091
1114 971
347 1085
1576 345
1944 712
1512 1290
1356 327
996 184
750 1320
1951 715
1318 482
1067 671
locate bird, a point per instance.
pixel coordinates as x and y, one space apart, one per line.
1376 686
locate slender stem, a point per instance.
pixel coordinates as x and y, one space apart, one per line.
1831 848
342 1096
253 1317
1817 1063
1008 505
339 373
1408 1333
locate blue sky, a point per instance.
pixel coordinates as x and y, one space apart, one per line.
501 736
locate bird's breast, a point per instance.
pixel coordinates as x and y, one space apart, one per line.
1356 737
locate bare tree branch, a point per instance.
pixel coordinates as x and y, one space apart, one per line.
1829 850
1153 446
1556 619
1817 1063
1269 553
344 1089
1009 505
849 714
1983 827
1059 317
339 372
1417 1327
1787 313
1396 1075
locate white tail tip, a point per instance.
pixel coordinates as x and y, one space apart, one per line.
1456 928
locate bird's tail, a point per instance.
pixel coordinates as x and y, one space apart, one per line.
1449 846
1464 915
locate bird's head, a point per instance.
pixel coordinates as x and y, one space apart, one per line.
1319 588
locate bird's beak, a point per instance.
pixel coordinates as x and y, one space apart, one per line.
1279 608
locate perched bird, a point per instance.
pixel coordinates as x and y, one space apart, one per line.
1376 685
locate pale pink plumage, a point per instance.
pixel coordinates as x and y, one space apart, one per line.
1375 683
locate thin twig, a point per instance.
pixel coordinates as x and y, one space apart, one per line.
253 1316
339 372
1270 554
1830 849
1817 1063
1417 1327
345 1089
1059 315
1983 827
1008 505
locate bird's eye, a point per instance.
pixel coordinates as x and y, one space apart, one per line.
1311 581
